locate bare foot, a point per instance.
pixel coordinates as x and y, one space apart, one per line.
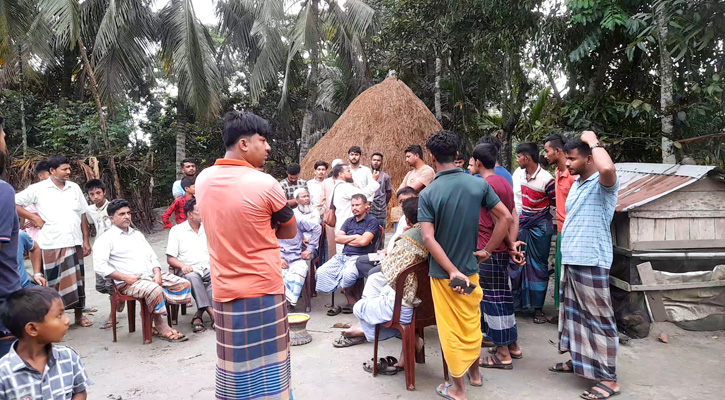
84 321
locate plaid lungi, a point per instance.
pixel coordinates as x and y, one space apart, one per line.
587 328
498 321
173 289
252 348
64 271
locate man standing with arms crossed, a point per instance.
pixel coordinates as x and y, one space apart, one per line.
455 196
381 198
563 180
587 328
245 211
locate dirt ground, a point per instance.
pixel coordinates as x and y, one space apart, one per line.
690 366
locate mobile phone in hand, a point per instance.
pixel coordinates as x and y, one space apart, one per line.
458 282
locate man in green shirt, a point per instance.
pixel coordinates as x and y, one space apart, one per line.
448 213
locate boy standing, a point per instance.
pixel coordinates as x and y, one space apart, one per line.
35 368
177 207
97 216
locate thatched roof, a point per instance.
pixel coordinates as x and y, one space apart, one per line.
386 118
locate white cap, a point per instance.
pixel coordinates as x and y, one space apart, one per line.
335 162
298 191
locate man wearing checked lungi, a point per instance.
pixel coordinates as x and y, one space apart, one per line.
244 212
64 232
587 328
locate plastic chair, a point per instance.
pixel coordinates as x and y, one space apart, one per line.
117 297
172 310
308 290
423 315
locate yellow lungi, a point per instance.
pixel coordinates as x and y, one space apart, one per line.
458 318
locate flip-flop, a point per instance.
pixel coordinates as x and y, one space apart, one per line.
90 309
597 395
444 393
559 368
178 339
107 325
540 318
497 363
468 375
392 361
334 311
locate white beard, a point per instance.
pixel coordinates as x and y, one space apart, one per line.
304 209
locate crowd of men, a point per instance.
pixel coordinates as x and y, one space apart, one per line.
486 234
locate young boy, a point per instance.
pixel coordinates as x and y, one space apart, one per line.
98 217
177 207
35 368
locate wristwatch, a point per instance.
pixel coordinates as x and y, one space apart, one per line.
595 145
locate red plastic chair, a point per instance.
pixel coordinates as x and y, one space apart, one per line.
423 315
117 297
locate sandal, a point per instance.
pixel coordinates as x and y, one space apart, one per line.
90 309
179 337
347 309
494 362
468 375
107 325
393 362
444 392
384 367
198 326
515 356
540 318
591 394
343 341
559 367
487 343
334 311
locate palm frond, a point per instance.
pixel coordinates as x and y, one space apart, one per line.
63 18
304 34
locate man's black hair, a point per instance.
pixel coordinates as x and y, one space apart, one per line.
354 149
322 164
95 184
115 205
187 161
337 169
360 197
42 166
461 156
188 181
556 141
377 154
56 161
238 124
529 149
577 144
410 210
27 305
486 154
443 145
490 140
293 169
415 149
406 190
189 206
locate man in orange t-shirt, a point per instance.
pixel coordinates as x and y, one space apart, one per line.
244 212
554 154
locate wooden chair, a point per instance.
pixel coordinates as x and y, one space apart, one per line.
423 316
117 297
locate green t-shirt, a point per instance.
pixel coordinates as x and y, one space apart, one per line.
453 203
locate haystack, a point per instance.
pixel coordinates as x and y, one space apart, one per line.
386 118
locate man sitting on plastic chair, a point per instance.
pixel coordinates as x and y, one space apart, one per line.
123 254
376 305
359 234
295 255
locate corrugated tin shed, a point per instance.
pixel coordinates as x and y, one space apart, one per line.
641 183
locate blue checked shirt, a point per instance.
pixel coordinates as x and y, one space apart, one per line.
586 237
63 377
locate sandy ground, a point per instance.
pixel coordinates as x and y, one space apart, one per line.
691 366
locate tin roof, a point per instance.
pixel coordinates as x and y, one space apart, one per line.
641 183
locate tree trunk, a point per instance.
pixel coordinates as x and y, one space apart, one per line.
306 137
101 116
666 74
552 83
21 75
437 94
181 130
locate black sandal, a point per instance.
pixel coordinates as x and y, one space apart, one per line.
559 367
592 394
494 363
539 318
347 309
384 367
334 311
197 326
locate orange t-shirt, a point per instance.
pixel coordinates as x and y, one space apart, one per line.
236 203
562 185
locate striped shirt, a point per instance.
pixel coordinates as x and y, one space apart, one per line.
533 196
586 237
64 376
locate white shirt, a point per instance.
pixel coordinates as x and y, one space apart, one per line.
98 217
61 209
402 224
126 252
518 176
315 189
189 247
362 177
342 196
